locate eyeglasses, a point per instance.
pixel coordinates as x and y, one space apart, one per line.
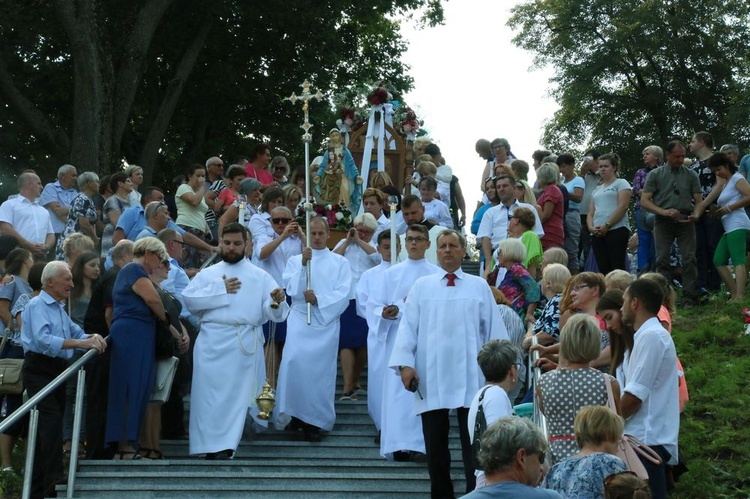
541 455
165 264
182 243
581 286
281 220
411 239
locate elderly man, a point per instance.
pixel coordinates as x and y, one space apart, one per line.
214 185
670 193
436 351
57 196
512 456
49 336
306 388
25 219
156 214
232 299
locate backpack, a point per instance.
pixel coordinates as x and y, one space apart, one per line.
480 425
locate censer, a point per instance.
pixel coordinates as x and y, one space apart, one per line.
266 401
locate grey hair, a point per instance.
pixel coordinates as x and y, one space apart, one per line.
151 208
547 174
284 209
86 177
281 159
367 220
447 232
504 438
130 170
64 169
151 244
53 269
124 247
513 249
730 148
496 358
656 151
249 185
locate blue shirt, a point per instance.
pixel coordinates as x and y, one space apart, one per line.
175 283
56 193
147 231
45 326
133 220
512 490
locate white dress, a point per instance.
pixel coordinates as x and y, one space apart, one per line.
307 377
228 365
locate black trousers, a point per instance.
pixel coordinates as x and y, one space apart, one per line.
97 390
38 371
657 473
435 427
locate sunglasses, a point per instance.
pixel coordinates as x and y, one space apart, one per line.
281 220
165 264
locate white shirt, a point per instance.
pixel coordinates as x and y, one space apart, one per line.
56 193
438 211
28 218
494 223
260 226
737 219
359 261
495 405
276 262
650 374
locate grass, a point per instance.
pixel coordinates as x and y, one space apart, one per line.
715 427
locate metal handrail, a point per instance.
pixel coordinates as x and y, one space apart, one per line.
30 407
539 419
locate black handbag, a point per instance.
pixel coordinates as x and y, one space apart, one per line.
480 425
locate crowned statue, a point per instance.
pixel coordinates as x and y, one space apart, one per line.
338 180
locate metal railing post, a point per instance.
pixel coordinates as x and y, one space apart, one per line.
75 444
30 449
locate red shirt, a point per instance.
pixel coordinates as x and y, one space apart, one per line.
554 233
263 176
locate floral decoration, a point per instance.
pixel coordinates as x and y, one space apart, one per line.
337 216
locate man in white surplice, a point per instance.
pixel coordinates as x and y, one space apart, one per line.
369 285
232 300
401 428
448 317
307 377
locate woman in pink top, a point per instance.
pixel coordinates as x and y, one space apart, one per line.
550 206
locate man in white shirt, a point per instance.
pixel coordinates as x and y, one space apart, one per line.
436 349
494 225
650 403
23 218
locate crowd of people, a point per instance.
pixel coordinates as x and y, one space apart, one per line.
117 259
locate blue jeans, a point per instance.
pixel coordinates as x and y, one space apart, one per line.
646 250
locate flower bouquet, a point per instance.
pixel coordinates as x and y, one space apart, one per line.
338 216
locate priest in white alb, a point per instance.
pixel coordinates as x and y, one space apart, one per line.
401 428
232 300
448 317
307 376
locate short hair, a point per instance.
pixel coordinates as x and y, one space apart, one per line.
24 179
122 248
500 142
192 169
418 228
432 149
656 151
426 168
15 260
597 424
705 137
592 280
429 183
148 194
540 154
613 158
86 177
131 169
235 171
53 269
496 358
35 276
271 194
284 209
565 159
557 275
278 159
151 208
525 217
376 193
449 232
234 228
580 339
258 149
367 220
594 153
141 246
249 185
670 297
385 234
513 249
64 169
104 185
115 179
166 235
720 159
547 174
214 160
730 148
319 221
648 293
618 279
520 169
7 244
626 485
503 439
672 145
410 200
555 255
507 177
77 241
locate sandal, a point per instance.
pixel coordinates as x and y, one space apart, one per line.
128 455
150 453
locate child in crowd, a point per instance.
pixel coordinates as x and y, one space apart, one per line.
618 279
547 327
435 211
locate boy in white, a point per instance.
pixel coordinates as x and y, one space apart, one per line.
434 210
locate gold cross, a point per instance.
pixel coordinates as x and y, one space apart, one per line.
305 97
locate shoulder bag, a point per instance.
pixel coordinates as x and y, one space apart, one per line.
11 380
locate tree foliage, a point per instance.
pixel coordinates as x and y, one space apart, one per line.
628 74
164 83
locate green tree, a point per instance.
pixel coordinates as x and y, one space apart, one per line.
163 83
628 74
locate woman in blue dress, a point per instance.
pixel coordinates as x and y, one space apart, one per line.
137 307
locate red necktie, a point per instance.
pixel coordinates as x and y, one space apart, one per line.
451 279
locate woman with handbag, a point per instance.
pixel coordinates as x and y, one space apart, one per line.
598 430
14 290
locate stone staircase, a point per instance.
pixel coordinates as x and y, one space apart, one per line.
275 464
